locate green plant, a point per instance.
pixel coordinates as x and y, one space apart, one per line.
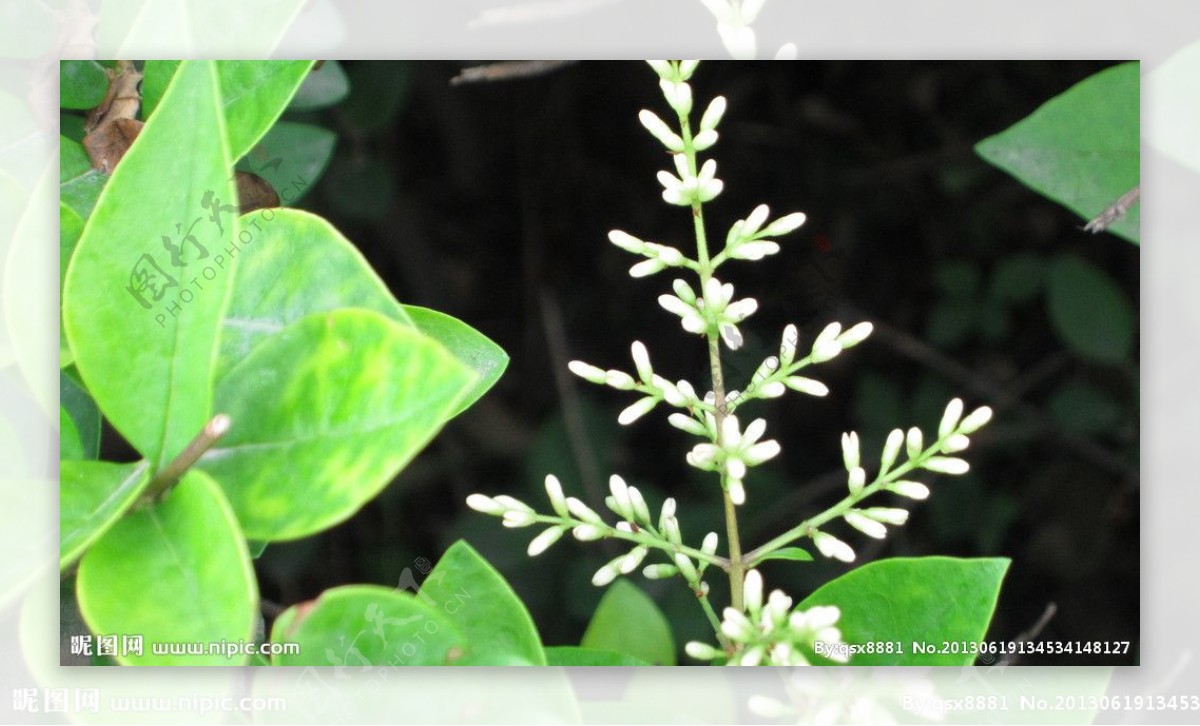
267 378
875 614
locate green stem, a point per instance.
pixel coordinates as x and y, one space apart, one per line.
713 619
166 478
737 565
806 528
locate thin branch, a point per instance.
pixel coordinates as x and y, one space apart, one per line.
507 71
169 475
1113 212
1033 632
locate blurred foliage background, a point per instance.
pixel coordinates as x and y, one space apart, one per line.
491 200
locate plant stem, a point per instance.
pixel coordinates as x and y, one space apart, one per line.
713 619
166 478
737 565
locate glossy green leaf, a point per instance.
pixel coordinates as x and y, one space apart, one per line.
79 185
794 554
156 76
142 329
927 600
81 83
481 603
294 264
1081 148
467 344
365 625
627 621
85 417
322 87
70 445
70 227
93 495
254 94
175 572
1091 313
564 655
291 158
324 413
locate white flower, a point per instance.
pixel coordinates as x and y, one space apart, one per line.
864 524
587 532
955 443
833 547
684 422
950 418
641 359
485 504
850 450
888 515
636 410
785 224
914 442
555 492
910 489
630 562
583 512
587 371
647 267
752 591
690 317
659 572
620 380
627 242
659 129
976 420
857 479
755 250
663 68
702 651
806 385
855 335
713 114
891 449
604 575
678 95
543 541
686 568
946 465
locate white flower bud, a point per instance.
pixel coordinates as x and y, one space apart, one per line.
659 572
686 568
787 346
850 451
627 242
702 651
487 505
752 592
732 336
955 443
784 225
891 449
663 68
976 420
630 562
620 380
857 479
704 140
659 129
543 541
678 95
640 510
687 68
855 335
645 268
864 524
685 293
641 359
950 418
737 626
742 309
604 575
512 504
772 389
910 489
806 385
737 492
887 515
748 10
826 350
587 371
709 545
583 512
755 250
713 114
668 510
946 465
684 422
518 518
833 547
914 442
637 410
555 492
670 529
588 532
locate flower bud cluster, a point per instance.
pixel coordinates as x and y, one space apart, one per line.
655 388
733 452
772 632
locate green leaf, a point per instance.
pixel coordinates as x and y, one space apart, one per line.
1091 313
470 346
294 264
322 87
1017 278
254 94
70 445
85 417
177 572
93 495
362 625
148 362
627 621
565 655
81 83
79 184
70 227
1081 148
484 607
927 600
795 554
291 157
156 76
324 413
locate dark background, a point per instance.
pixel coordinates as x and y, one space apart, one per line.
491 202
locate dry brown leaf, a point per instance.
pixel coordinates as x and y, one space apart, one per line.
254 192
108 143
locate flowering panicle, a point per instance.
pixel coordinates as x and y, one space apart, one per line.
753 630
